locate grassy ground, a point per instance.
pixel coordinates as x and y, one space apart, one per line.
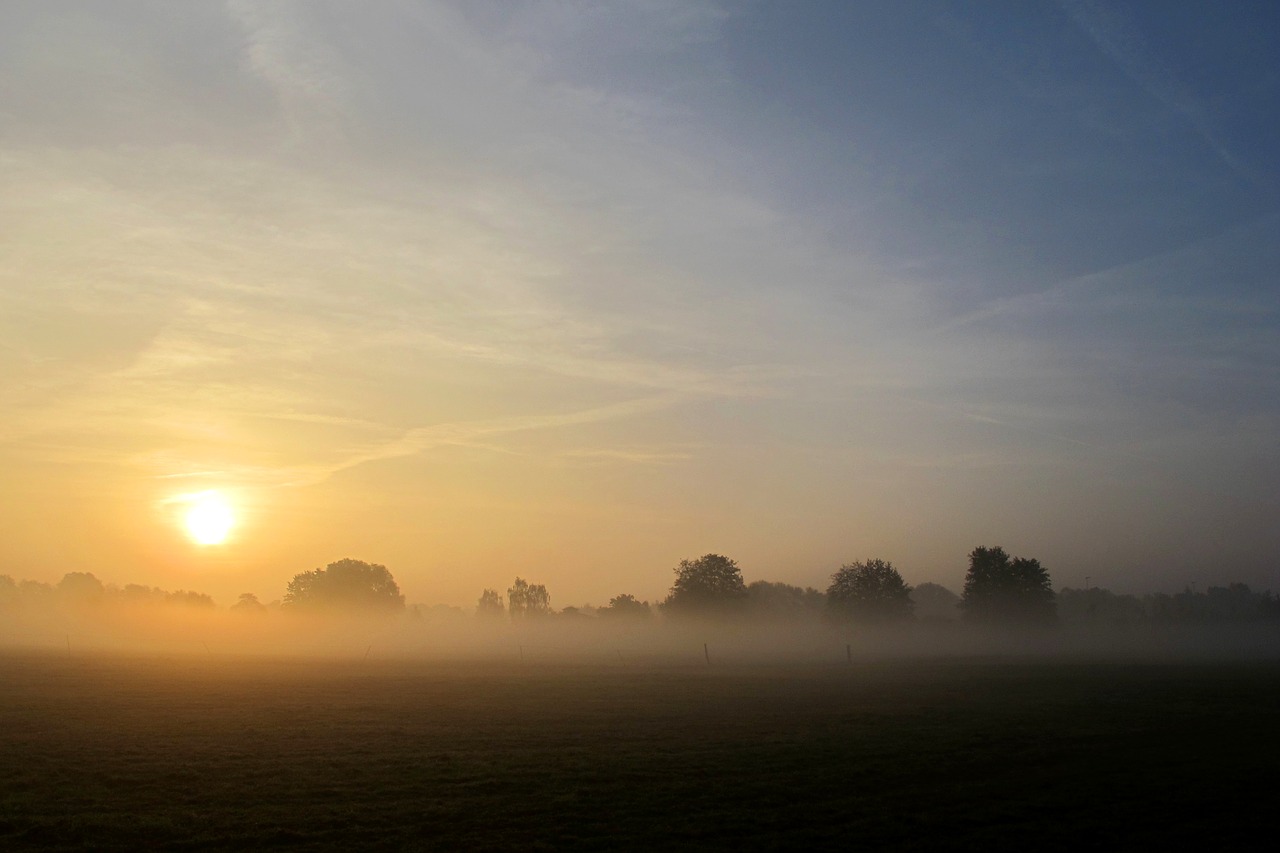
186 753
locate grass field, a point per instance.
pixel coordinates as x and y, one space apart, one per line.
129 753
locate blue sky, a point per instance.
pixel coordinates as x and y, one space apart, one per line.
578 290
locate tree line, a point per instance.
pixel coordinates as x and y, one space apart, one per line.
998 589
84 588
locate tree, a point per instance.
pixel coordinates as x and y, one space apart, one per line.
1233 603
249 603
1097 606
526 600
709 584
80 587
490 604
346 584
36 592
136 593
1003 589
625 606
768 600
188 598
935 602
870 592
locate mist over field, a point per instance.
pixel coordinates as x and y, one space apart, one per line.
728 715
330 749
448 634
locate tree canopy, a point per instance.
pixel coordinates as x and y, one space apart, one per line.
626 606
527 600
490 604
248 603
710 584
935 602
1003 589
347 584
768 600
81 586
871 591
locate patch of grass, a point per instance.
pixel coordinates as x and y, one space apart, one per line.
129 753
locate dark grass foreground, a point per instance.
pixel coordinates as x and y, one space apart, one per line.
132 754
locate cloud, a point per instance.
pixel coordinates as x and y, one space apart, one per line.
558 236
630 456
1119 37
420 439
278 281
308 79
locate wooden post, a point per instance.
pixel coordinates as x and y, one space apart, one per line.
706 654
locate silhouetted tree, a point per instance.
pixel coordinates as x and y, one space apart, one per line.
1097 606
80 587
527 600
136 593
346 584
709 584
249 603
1188 606
490 604
36 592
626 606
998 588
770 600
935 602
870 592
1233 603
189 599
1158 607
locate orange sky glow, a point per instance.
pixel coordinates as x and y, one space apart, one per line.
483 294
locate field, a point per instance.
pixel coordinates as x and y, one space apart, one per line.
209 753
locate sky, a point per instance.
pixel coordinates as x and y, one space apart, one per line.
575 291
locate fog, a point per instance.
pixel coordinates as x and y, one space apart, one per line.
107 626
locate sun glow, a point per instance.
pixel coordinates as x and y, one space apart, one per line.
209 519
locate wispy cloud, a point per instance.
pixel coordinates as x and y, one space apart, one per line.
630 456
1116 35
308 79
638 243
421 439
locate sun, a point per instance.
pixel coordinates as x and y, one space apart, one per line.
209 520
